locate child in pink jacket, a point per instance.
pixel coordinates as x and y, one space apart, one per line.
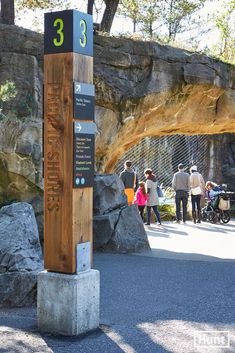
141 198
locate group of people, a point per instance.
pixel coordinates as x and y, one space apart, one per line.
193 183
144 193
183 183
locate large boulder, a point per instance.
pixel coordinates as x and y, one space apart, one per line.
117 227
38 206
120 231
129 235
104 228
20 255
108 193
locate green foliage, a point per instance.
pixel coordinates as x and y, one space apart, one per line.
35 9
225 23
7 91
38 4
131 8
149 14
177 15
167 212
161 19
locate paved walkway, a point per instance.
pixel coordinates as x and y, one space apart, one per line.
150 304
205 241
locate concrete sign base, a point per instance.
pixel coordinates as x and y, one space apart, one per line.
68 304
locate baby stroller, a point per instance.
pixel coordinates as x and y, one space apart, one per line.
217 210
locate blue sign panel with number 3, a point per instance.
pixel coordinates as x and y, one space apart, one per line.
68 31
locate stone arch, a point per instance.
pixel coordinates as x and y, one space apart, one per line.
198 109
146 89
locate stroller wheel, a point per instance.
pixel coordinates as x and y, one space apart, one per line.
212 217
225 217
204 216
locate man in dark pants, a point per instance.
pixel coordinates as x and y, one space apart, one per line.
129 179
181 185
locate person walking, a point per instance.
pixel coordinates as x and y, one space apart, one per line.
197 187
152 202
128 177
181 185
141 198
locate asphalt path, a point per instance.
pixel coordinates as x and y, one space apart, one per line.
205 241
149 304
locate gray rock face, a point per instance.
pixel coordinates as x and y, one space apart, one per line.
132 69
104 228
117 227
157 90
108 193
20 255
23 70
18 289
129 235
120 231
38 206
21 62
21 122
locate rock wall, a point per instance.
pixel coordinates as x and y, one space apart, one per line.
158 90
21 176
21 61
142 89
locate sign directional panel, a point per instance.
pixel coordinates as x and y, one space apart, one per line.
84 101
84 143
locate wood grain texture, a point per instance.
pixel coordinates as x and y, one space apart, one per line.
68 211
82 198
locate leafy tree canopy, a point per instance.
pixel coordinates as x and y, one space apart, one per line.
38 4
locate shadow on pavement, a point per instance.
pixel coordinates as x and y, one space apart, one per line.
167 254
147 305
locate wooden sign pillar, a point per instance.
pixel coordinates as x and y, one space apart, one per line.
68 292
68 63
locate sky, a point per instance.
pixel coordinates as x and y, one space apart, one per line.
122 24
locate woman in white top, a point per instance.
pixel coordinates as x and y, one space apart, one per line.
152 201
197 187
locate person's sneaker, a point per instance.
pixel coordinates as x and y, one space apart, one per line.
177 221
147 224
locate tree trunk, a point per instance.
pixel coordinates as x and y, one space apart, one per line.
151 30
90 7
109 13
7 15
134 25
